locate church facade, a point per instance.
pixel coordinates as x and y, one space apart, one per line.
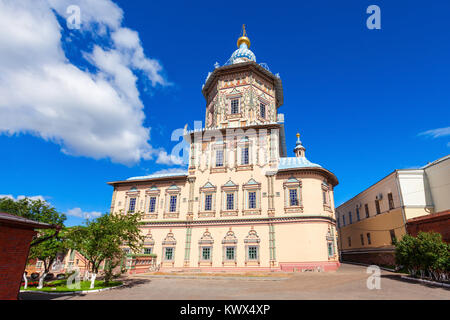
242 204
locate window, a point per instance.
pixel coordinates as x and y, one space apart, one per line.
230 201
234 106
324 193
230 253
393 238
377 206
349 241
219 158
152 206
252 200
357 214
132 205
173 204
350 217
252 253
168 253
362 239
262 110
391 201
244 155
206 253
338 222
208 202
343 220
293 197
330 249
366 208
148 250
369 241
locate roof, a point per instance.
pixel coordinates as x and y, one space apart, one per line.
154 176
436 161
10 219
296 162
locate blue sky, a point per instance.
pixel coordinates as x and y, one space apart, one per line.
365 101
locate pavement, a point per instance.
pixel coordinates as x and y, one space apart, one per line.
349 282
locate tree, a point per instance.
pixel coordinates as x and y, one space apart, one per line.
40 211
102 240
426 253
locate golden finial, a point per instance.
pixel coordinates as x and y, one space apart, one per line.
243 38
298 135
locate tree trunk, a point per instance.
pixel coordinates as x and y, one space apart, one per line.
41 280
94 275
25 286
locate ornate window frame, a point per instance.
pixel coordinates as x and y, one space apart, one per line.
229 241
252 240
221 145
251 186
153 191
234 96
133 193
293 183
168 242
244 143
173 190
206 241
149 242
229 187
207 189
326 188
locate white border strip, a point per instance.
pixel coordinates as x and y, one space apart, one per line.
439 284
73 292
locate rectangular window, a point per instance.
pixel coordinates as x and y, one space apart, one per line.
132 205
173 204
349 241
168 253
343 220
330 249
219 158
244 156
148 250
357 214
369 241
230 253
252 253
206 253
350 217
377 206
152 206
293 197
262 110
234 106
391 201
324 194
366 208
230 201
362 240
392 233
252 200
208 202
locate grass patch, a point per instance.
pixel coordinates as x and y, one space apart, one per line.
61 286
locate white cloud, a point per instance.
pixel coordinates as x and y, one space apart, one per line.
98 115
436 133
10 196
171 170
168 159
77 212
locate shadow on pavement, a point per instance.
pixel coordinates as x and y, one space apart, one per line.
398 277
127 283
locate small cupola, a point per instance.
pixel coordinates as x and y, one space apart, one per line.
299 149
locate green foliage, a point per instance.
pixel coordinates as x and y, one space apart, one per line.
424 253
40 211
102 239
61 286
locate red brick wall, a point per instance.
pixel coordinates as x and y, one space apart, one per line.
14 248
377 258
437 222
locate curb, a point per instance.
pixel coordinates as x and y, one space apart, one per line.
73 292
215 278
366 265
438 284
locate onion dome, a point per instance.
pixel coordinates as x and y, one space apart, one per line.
243 53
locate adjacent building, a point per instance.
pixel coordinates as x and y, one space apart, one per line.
405 201
243 204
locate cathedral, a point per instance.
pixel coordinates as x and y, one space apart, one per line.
243 204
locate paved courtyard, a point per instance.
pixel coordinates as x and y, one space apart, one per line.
349 282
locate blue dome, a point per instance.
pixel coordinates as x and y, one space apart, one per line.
242 54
